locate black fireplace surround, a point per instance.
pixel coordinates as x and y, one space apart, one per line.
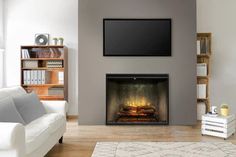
140 99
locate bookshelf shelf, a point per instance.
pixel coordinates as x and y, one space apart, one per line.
44 70
203 55
43 85
35 59
203 58
203 77
46 97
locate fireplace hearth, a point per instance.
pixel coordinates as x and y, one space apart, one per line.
137 99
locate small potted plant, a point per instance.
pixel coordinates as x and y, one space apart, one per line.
54 41
224 110
60 41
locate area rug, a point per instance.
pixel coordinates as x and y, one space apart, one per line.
164 149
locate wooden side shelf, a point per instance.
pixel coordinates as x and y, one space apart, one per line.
204 57
49 61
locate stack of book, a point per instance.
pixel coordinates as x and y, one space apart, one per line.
56 91
54 64
203 46
34 77
25 53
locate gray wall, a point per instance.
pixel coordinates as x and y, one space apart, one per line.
181 66
222 25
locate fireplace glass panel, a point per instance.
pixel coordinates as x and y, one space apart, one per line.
137 99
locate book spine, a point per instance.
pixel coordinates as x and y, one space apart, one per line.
43 76
31 77
39 76
47 77
28 77
35 77
25 76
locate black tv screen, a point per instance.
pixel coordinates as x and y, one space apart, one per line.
137 37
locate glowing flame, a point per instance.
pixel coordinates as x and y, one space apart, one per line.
137 102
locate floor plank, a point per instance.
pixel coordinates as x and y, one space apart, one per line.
79 141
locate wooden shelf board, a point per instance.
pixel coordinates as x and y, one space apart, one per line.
201 99
42 46
51 97
202 77
43 85
35 59
43 68
204 55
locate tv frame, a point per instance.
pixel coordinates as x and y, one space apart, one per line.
142 19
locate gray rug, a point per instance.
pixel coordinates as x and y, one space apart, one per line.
164 149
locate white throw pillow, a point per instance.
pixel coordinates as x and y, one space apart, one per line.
29 107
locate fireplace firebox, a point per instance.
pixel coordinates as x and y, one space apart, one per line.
137 99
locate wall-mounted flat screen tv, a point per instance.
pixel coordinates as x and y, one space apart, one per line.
137 37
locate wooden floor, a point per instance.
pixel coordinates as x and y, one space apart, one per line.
79 141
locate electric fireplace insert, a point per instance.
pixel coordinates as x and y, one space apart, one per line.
137 99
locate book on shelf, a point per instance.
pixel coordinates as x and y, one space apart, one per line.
54 64
56 91
203 46
61 77
25 53
36 77
39 76
30 64
25 77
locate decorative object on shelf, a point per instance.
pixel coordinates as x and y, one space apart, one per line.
201 110
214 109
201 91
201 69
224 110
30 64
41 39
54 41
60 41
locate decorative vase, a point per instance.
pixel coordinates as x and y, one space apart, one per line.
60 41
224 111
54 41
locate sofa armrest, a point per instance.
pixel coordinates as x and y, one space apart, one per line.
12 137
56 106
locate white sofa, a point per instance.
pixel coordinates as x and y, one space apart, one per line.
36 138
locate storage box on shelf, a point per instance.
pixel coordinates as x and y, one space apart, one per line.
218 126
44 70
203 68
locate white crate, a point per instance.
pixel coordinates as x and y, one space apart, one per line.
201 91
218 126
201 69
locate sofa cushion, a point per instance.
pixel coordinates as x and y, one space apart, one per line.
40 129
53 121
29 107
12 91
8 111
36 133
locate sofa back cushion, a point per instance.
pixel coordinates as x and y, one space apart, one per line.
11 91
8 111
29 107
